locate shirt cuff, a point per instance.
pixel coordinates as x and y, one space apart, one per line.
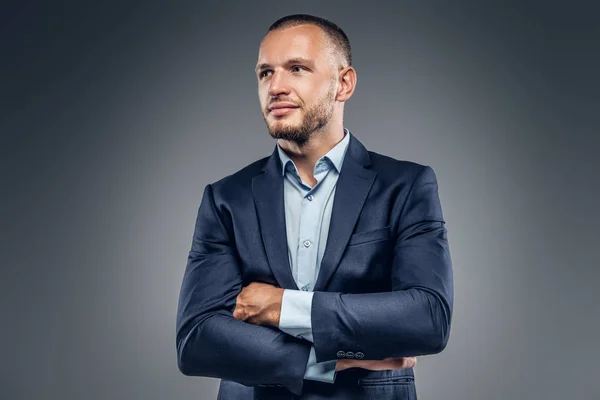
295 317
323 371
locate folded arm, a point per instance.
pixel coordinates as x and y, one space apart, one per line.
210 342
414 318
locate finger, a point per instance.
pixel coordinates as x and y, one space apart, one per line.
397 363
237 314
409 362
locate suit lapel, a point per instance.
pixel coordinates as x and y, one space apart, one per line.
267 189
352 188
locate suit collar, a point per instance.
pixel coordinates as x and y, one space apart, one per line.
356 150
352 188
335 155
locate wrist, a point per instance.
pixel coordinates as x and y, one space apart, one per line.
276 308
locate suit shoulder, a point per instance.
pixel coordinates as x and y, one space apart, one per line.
392 168
240 180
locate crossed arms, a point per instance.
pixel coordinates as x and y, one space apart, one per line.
413 319
264 304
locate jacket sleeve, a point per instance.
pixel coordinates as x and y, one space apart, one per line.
414 318
210 342
295 320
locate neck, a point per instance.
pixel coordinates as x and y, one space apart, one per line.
305 156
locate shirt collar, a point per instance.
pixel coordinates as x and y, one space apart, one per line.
335 155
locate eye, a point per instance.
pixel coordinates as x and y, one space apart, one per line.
298 66
262 73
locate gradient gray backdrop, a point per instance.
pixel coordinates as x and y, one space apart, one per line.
115 117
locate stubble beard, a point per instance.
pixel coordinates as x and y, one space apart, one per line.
313 121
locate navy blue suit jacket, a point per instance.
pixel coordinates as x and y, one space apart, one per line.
384 289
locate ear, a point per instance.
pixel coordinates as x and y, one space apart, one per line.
347 83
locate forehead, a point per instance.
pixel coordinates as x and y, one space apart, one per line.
303 41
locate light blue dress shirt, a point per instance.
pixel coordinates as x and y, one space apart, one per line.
307 217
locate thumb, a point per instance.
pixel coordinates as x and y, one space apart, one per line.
409 362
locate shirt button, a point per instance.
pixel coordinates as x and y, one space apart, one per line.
307 243
300 336
304 288
309 197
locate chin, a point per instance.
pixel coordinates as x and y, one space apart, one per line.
284 124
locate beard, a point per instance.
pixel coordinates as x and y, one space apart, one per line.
313 121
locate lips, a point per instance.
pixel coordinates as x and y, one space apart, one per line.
282 111
282 104
282 108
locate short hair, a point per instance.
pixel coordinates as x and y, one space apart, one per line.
334 33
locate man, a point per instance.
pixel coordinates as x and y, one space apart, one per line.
322 270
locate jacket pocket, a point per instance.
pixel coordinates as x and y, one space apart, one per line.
370 236
393 380
401 387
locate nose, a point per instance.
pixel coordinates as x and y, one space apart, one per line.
278 85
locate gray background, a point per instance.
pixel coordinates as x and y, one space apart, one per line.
115 117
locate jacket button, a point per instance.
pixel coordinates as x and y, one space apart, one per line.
359 355
349 354
341 354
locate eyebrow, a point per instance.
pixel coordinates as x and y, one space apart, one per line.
296 60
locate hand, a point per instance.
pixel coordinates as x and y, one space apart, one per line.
259 304
377 365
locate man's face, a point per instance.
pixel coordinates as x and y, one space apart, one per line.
296 82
